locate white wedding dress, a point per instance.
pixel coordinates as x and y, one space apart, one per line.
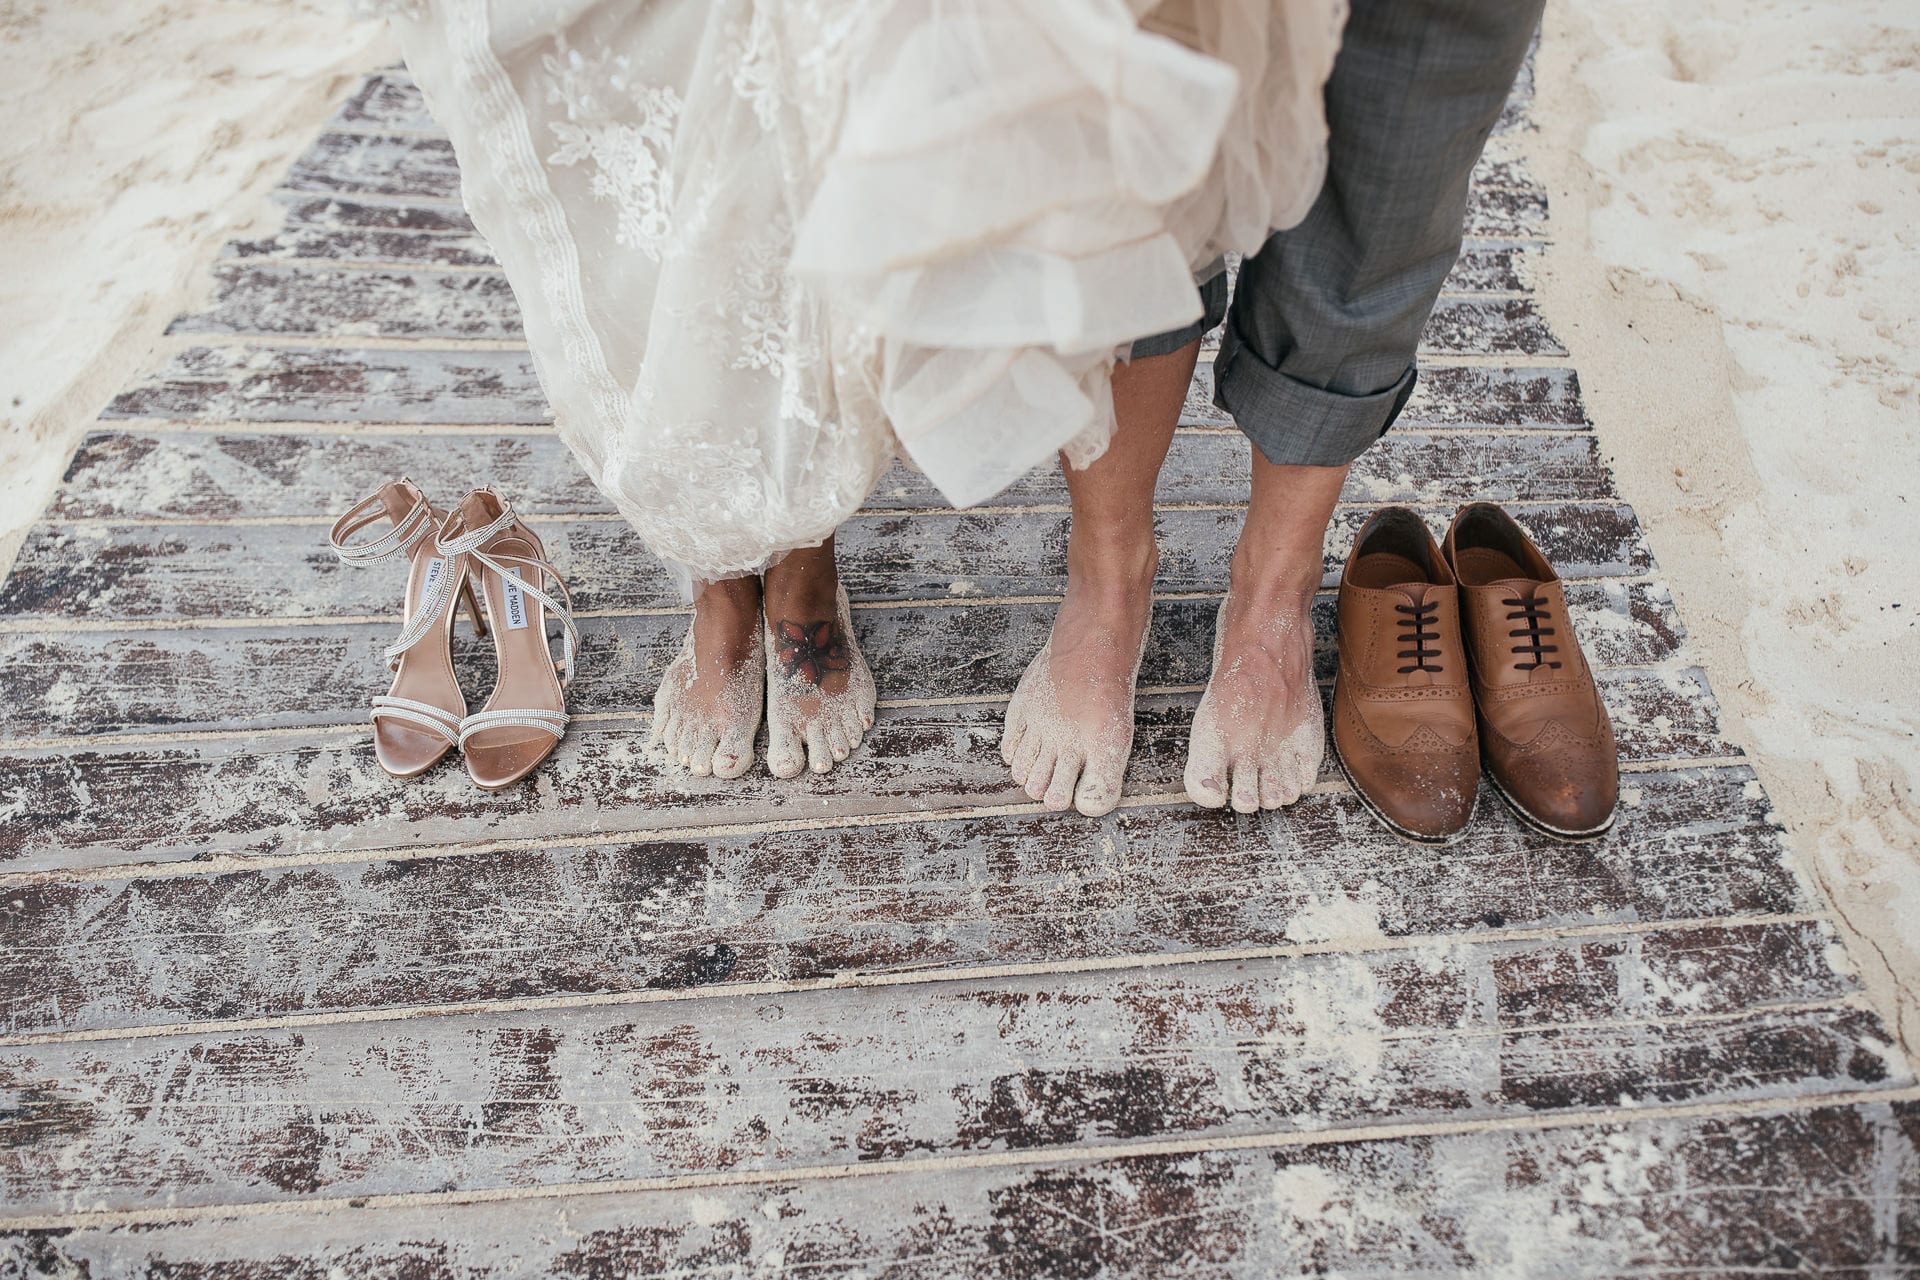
763 245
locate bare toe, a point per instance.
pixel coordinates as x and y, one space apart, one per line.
1023 759
819 754
1245 794
1099 789
1276 789
785 757
1066 776
837 740
1039 774
1012 734
1206 769
734 755
856 725
665 719
699 746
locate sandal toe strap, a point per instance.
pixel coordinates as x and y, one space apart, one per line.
424 714
554 722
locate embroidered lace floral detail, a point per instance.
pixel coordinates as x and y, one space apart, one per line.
758 297
749 54
628 155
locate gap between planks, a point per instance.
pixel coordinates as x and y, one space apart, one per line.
214 864
1025 1158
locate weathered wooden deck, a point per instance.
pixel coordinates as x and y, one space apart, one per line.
267 1012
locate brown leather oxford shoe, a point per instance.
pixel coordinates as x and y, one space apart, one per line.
1544 731
1403 724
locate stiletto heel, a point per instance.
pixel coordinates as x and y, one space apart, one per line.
472 606
526 715
417 721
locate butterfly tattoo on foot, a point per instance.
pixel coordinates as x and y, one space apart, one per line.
814 651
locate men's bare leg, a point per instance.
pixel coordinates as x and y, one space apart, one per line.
1069 727
1258 735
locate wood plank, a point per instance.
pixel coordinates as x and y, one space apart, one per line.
1507 213
388 100
317 242
300 793
265 797
429 386
328 234
293 384
101 572
320 790
901 1074
411 167
392 165
300 300
345 213
1503 167
1829 1190
793 906
70 683
167 475
310 301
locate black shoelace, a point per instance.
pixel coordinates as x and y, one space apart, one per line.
1532 613
1419 618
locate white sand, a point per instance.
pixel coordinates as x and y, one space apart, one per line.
140 135
1736 188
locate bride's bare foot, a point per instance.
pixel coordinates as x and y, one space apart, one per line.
1069 727
1258 734
819 690
707 710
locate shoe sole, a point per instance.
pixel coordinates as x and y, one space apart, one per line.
1366 802
1547 828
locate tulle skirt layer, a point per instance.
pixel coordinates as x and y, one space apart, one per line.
762 246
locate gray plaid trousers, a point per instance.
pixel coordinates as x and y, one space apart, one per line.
1317 358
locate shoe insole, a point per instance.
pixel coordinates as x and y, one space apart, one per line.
425 675
526 676
1478 566
1378 570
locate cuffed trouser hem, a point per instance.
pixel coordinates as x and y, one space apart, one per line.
1294 423
1213 302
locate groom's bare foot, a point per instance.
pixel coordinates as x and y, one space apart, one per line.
819 690
707 709
1069 727
1259 734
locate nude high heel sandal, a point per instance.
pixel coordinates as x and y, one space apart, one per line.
417 720
526 715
